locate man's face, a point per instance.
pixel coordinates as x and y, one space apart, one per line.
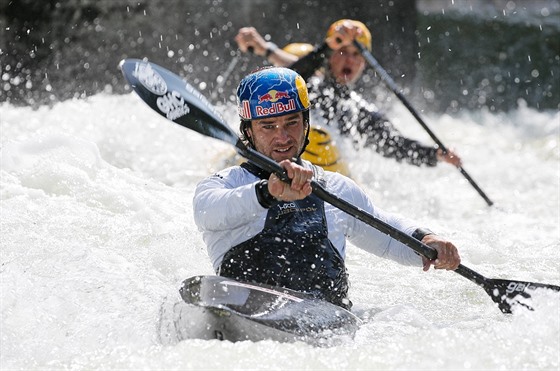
347 64
279 138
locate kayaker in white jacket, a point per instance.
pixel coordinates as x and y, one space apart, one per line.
258 228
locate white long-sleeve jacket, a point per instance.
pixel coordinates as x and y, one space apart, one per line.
227 212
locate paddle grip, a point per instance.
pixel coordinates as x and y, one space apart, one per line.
263 162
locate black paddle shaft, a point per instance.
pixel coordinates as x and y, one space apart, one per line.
391 84
503 292
178 101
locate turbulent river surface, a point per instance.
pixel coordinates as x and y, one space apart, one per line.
98 234
96 227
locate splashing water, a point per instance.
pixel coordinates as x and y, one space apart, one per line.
97 232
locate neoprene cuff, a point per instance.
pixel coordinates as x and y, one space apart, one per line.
420 233
270 48
264 197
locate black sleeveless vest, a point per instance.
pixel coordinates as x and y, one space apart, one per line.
292 251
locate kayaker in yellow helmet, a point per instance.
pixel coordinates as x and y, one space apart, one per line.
343 64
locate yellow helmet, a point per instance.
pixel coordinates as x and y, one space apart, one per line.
298 49
322 151
364 38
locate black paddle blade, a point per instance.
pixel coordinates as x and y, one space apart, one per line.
175 99
507 293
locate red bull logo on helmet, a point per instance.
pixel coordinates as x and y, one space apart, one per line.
269 104
276 108
270 92
273 96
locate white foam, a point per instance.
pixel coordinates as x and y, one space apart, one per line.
97 232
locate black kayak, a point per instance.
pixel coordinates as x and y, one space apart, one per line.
216 307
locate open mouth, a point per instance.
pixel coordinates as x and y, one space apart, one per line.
283 153
283 150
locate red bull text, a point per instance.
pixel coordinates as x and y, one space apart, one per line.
276 108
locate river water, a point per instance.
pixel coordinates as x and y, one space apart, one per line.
98 234
96 225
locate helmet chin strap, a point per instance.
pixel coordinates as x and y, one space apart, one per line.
245 130
306 141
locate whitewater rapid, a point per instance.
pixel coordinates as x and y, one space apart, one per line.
97 234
